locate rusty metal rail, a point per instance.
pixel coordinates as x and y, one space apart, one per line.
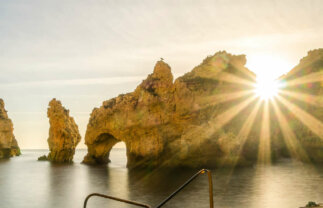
116 199
203 171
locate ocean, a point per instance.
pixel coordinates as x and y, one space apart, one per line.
26 182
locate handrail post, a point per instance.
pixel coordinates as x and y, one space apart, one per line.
210 189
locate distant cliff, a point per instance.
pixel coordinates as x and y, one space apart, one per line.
8 144
63 134
207 117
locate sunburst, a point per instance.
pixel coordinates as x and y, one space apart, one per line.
267 88
276 110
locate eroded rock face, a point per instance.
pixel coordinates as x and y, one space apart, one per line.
8 144
303 98
207 117
63 133
168 123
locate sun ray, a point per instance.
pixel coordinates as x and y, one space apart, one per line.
229 77
308 120
224 97
222 119
245 129
293 145
313 77
304 97
243 136
208 129
264 150
225 117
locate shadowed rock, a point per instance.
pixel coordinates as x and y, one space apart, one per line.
303 101
63 134
8 144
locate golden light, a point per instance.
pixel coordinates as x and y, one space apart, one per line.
268 68
264 154
293 145
266 88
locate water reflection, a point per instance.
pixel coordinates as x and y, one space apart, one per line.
26 183
153 186
111 180
288 184
64 182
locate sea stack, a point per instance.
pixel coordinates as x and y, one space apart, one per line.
63 133
8 144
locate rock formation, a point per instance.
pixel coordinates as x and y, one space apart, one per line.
8 144
171 123
207 117
63 133
303 98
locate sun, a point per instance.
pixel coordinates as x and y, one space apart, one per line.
268 68
266 88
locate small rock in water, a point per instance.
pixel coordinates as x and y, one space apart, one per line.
313 204
43 158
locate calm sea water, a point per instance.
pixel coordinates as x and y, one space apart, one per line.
25 182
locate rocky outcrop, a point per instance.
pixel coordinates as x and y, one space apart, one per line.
302 99
63 133
207 117
8 144
172 123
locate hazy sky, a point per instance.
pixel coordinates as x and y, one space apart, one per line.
84 52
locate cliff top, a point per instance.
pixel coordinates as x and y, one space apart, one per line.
3 112
311 63
56 107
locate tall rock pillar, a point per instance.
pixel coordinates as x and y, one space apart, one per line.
8 143
63 133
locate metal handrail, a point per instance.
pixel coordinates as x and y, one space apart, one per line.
188 182
203 171
116 199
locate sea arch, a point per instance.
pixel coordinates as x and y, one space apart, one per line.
99 149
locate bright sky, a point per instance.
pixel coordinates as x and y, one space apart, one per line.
84 52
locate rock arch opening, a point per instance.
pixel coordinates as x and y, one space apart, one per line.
118 155
99 150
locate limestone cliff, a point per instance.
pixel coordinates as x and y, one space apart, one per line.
302 97
63 133
171 123
211 117
8 144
